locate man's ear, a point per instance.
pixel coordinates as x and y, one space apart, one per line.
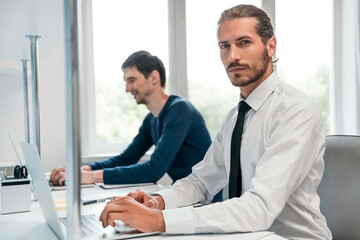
271 46
155 77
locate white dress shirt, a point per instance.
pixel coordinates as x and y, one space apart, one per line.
282 164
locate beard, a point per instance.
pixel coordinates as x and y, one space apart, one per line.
256 71
142 97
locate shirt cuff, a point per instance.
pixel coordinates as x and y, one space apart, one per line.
179 220
170 197
108 176
94 166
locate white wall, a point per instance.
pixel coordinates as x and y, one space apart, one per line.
35 17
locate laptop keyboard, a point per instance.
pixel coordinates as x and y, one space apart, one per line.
90 225
50 183
55 187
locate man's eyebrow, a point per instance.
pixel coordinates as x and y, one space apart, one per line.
129 78
236 40
243 37
222 42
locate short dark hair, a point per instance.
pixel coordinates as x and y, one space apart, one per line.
263 26
146 63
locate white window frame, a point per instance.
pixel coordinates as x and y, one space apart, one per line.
178 79
345 92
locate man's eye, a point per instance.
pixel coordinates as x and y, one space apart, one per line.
244 42
130 80
224 46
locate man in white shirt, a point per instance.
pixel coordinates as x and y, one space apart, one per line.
281 155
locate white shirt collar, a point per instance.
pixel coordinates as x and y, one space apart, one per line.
259 95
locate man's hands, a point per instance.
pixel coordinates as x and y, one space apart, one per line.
138 209
89 177
155 202
58 175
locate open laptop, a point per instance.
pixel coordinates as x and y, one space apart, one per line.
49 211
52 186
63 187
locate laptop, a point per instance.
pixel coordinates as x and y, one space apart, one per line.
88 222
51 185
54 187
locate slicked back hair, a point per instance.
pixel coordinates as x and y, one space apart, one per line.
263 26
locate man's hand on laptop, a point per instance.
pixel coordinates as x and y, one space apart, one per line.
134 214
58 175
151 201
90 177
86 168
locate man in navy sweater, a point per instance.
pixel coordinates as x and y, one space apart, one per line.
174 126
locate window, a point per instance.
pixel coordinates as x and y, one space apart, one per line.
304 52
210 90
304 48
129 28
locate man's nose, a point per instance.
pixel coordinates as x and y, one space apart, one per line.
127 87
234 54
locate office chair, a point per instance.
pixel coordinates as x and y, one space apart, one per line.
339 189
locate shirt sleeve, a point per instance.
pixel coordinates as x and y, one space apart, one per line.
208 177
173 134
294 144
203 183
132 154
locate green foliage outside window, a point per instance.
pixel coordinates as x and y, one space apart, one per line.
118 117
317 88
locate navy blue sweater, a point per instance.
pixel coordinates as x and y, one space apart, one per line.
181 140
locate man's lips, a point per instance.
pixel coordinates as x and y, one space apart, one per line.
236 69
134 94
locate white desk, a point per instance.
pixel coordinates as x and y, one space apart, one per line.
32 225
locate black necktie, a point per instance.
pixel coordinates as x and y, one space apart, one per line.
235 180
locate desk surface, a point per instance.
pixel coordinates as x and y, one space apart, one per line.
32 225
